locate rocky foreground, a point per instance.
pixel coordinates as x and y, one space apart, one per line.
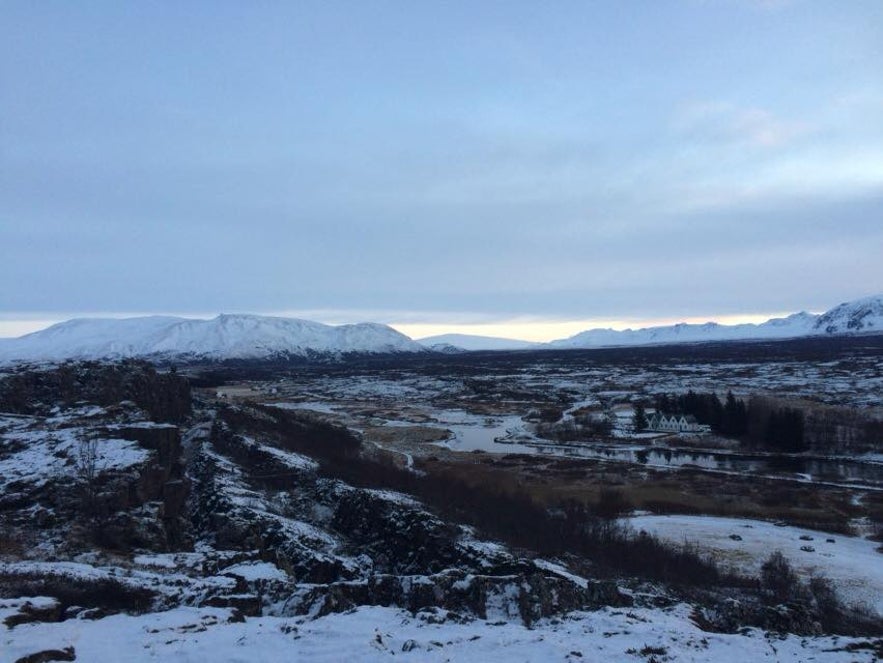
139 522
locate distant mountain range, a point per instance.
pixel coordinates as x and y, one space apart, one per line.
263 337
223 337
460 342
798 324
858 316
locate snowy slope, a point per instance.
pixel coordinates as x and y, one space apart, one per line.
473 342
859 316
224 337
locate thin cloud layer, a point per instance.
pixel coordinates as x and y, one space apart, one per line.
575 162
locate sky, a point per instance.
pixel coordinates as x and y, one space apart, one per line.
516 168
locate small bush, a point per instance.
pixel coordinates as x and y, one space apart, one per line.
778 579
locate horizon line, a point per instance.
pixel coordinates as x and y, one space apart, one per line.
516 328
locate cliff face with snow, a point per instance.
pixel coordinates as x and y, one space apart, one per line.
224 337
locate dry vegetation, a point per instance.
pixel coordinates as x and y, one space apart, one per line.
550 480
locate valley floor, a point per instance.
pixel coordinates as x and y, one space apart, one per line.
267 520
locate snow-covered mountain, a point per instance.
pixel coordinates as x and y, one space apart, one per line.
448 342
858 316
223 337
263 337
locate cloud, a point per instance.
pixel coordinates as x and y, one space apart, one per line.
763 5
725 122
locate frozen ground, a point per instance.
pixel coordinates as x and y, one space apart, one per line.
381 634
852 563
34 450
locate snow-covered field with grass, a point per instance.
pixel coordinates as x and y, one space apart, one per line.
851 563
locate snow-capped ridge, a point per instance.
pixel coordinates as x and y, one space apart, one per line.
858 316
227 336
243 336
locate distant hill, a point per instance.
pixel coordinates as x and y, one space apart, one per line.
858 316
223 337
449 342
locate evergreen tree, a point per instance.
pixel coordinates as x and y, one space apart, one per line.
639 420
735 417
715 413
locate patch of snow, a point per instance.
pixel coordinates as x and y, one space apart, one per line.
292 459
562 571
315 406
252 571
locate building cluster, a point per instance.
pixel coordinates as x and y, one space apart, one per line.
675 423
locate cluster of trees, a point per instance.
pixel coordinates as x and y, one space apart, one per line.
774 427
727 418
843 430
762 422
784 430
577 428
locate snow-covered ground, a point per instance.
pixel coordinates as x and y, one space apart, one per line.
35 456
851 563
382 634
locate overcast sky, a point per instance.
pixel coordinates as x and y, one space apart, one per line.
440 163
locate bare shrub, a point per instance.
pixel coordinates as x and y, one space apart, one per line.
11 544
827 603
87 469
778 579
612 504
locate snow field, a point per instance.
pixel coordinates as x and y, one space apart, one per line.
373 634
851 563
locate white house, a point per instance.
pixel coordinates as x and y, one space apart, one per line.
674 423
